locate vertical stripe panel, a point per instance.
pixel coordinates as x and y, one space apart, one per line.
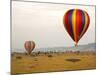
85 25
74 24
68 23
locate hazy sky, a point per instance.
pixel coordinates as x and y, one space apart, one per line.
43 23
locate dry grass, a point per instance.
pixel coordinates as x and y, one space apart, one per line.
22 63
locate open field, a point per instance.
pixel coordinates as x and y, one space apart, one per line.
47 62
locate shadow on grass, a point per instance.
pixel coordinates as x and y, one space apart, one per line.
73 60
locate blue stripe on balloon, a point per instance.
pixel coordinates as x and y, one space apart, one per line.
70 22
83 20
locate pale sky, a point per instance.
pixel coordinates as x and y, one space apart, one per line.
43 23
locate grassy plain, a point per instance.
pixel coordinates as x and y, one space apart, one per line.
46 62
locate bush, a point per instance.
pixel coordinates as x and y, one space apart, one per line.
35 60
18 57
50 56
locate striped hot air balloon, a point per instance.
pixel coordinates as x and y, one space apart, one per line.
29 46
76 23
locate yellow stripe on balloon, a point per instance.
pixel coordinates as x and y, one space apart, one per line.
74 24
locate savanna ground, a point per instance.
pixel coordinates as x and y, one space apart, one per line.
46 62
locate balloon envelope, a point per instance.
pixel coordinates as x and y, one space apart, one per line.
76 23
29 46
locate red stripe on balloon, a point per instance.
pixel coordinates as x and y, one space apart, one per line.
78 23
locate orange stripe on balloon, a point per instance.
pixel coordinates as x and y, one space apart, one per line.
74 24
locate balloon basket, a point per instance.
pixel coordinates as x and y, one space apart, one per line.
76 45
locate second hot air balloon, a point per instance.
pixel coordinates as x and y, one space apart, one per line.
29 46
76 23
